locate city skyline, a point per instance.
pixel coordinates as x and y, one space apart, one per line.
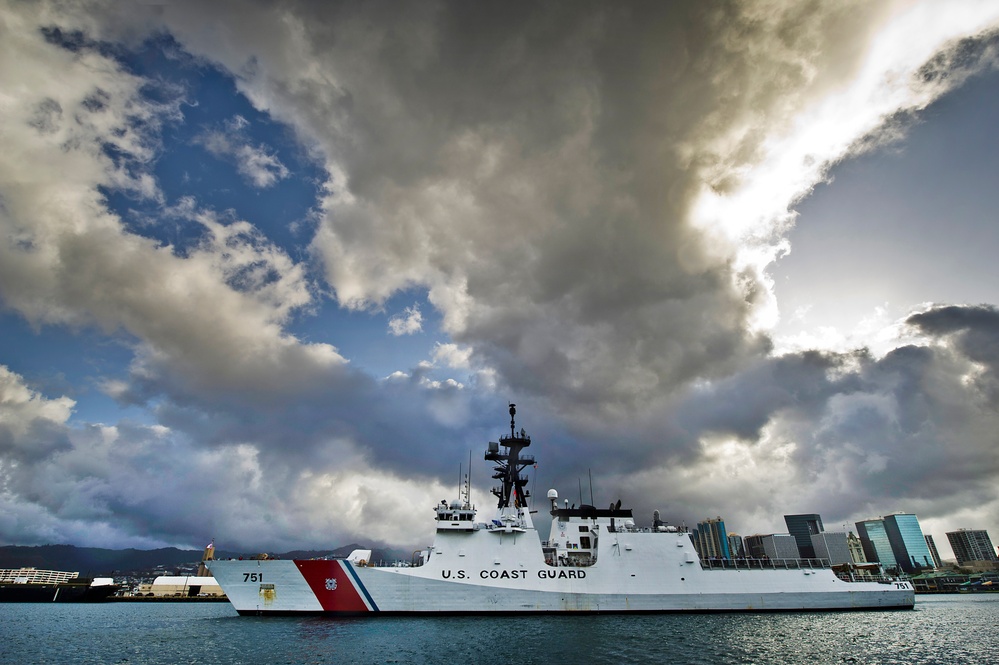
897 538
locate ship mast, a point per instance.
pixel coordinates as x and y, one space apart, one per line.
509 465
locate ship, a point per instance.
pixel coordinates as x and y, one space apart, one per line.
593 561
31 585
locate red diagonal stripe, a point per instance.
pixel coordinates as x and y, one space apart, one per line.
344 597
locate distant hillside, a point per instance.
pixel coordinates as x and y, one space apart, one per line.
91 561
94 561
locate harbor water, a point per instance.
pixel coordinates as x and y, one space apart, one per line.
942 629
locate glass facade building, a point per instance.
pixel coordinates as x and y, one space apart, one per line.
803 527
875 541
735 546
712 539
908 543
933 551
754 546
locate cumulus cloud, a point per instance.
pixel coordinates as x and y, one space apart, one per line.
209 318
30 424
133 485
452 355
588 194
409 322
591 214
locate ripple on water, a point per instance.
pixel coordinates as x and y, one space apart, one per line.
942 629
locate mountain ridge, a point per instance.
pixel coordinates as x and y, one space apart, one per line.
101 562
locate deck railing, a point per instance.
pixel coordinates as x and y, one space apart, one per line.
746 564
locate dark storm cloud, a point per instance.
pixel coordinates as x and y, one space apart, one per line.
974 331
866 435
578 273
558 179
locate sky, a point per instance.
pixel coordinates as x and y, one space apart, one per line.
270 273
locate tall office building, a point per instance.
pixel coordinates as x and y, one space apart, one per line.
754 546
736 549
908 543
971 545
803 527
875 541
712 539
831 546
933 551
772 546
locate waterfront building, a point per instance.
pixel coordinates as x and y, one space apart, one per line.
971 545
181 586
736 548
856 549
803 527
875 541
933 551
907 543
949 581
832 546
771 546
754 546
712 539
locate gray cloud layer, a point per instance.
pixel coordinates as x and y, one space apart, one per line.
555 176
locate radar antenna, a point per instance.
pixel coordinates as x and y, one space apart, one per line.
509 465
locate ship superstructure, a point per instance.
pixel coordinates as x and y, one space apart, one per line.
593 560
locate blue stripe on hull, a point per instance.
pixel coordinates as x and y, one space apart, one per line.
360 586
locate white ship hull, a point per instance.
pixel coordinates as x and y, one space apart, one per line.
593 561
650 573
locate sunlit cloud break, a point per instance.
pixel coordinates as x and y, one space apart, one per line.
269 271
